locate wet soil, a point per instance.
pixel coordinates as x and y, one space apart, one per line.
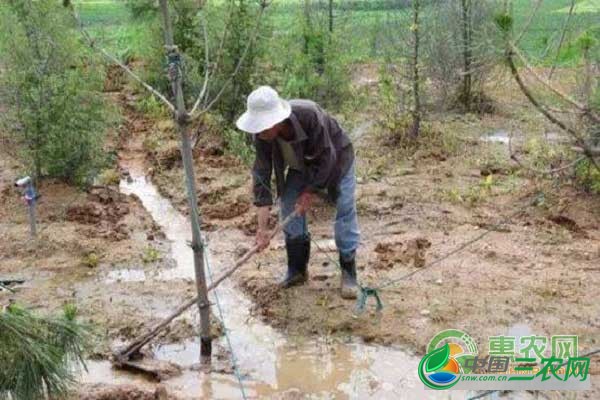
537 266
103 250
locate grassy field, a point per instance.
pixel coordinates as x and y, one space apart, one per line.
110 21
547 25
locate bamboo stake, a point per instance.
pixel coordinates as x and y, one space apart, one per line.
124 354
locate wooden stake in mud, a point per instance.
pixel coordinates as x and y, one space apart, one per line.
182 119
123 355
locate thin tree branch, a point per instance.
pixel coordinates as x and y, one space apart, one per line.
562 39
263 5
223 38
206 65
112 58
560 94
528 23
533 100
589 151
515 72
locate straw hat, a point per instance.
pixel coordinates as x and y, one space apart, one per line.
265 109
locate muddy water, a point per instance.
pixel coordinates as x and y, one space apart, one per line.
272 366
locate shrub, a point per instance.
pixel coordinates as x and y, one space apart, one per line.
316 64
141 8
588 176
237 144
462 33
52 89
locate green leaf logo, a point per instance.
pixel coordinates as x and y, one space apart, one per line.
437 358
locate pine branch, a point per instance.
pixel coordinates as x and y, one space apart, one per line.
38 354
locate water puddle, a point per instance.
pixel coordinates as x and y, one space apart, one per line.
499 136
173 224
503 137
125 275
273 366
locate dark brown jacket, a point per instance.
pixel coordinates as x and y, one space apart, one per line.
318 141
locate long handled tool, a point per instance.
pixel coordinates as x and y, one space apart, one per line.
122 356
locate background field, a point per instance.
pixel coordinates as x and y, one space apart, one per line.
364 20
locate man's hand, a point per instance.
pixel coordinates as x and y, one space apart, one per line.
304 202
262 233
263 238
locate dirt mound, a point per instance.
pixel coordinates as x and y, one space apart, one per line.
168 155
250 224
122 392
263 295
228 211
567 223
209 150
391 253
105 208
115 78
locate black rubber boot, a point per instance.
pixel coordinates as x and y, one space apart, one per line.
349 286
298 254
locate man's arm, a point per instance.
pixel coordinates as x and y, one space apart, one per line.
261 173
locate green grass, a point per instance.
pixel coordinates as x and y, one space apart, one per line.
546 27
110 22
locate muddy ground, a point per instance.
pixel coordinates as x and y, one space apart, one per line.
83 238
538 269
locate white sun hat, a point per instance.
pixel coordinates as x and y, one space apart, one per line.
265 109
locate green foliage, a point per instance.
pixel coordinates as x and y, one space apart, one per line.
504 22
90 260
39 354
230 26
586 41
152 107
539 42
541 153
52 89
394 120
316 63
241 24
588 176
150 255
109 176
460 47
141 8
237 144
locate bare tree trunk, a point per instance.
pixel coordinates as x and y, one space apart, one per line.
182 118
467 53
562 39
416 113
